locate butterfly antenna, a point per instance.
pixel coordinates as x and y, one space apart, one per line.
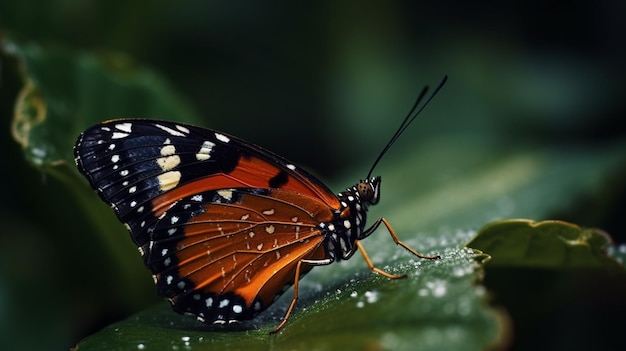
410 117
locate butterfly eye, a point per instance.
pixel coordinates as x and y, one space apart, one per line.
369 190
366 192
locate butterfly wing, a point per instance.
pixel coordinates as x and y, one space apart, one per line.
141 167
226 254
220 222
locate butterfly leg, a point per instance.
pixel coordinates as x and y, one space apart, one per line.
293 302
374 268
397 241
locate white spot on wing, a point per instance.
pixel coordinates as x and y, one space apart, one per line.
168 149
221 137
119 135
226 194
169 159
182 129
170 130
168 180
124 127
168 163
205 151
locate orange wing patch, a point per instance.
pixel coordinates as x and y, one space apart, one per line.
251 172
246 245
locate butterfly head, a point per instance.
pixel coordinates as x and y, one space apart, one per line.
369 190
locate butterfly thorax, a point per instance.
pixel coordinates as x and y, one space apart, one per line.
348 223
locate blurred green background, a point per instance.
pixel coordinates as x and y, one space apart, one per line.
323 83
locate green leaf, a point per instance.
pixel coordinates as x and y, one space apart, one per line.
436 307
546 244
62 93
543 271
436 192
65 92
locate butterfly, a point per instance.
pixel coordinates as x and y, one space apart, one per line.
226 226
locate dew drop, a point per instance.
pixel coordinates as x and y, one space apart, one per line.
371 296
438 288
